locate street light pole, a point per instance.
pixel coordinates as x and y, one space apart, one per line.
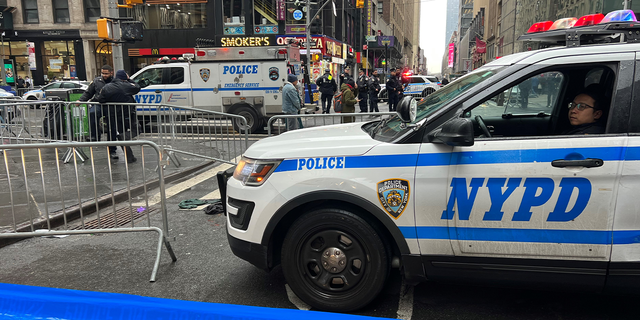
116 49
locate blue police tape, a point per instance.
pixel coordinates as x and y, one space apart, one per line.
22 302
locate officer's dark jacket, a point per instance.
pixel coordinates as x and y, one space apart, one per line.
326 86
374 84
94 88
363 83
393 86
119 91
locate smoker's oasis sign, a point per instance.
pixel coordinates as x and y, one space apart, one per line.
246 41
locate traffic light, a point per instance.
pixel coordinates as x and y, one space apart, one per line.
360 4
105 29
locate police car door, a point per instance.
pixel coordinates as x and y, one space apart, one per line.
177 89
150 80
545 197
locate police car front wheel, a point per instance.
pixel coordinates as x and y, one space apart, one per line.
334 260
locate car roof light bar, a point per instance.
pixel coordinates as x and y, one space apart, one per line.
540 26
589 20
620 16
565 23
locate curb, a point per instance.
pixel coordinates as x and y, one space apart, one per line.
89 207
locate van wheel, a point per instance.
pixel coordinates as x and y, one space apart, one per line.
427 92
254 122
334 260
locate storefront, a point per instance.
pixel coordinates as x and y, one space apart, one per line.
326 53
57 53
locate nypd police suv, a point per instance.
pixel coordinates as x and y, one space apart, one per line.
470 184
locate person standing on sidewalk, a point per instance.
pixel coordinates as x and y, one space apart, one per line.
348 100
327 86
374 89
95 111
363 92
123 123
392 89
291 103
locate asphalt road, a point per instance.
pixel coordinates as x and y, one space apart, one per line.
207 271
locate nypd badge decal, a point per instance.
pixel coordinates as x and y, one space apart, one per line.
205 73
274 73
393 195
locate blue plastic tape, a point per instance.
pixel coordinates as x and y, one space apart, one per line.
20 302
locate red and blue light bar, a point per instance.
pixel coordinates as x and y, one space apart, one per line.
588 20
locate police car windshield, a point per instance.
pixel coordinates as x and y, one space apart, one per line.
439 99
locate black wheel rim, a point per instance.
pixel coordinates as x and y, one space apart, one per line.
320 255
249 118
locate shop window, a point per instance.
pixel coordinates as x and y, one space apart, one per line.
294 11
234 16
265 13
61 11
58 59
18 48
30 9
171 15
91 10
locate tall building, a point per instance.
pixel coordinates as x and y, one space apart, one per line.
453 16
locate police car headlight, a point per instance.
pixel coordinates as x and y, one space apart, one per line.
254 172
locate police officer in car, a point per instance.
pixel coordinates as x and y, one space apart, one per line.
95 111
363 87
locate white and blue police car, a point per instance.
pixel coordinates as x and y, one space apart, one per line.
469 184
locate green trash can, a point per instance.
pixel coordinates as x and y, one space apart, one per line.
79 116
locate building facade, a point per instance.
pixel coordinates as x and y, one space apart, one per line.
64 37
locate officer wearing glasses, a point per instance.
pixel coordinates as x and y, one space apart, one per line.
585 114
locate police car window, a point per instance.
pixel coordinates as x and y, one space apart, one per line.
177 75
154 76
417 80
436 100
54 85
68 85
594 77
535 95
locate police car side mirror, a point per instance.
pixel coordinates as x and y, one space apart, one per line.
407 108
455 132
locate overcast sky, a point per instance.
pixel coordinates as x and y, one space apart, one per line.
433 15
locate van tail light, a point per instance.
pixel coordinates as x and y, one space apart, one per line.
201 53
282 51
540 26
589 20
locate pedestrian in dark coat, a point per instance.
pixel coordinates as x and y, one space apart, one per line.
123 123
393 90
374 89
95 111
328 87
363 90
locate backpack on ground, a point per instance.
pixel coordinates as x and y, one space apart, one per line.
337 102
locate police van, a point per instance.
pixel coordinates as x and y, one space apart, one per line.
468 184
244 81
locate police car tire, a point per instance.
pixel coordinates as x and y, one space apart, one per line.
253 120
305 245
33 106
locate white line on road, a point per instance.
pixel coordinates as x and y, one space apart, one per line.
187 184
295 300
405 305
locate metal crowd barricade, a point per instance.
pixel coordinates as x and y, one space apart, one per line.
279 122
197 132
33 121
47 199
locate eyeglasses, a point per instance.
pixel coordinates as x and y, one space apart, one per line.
579 106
